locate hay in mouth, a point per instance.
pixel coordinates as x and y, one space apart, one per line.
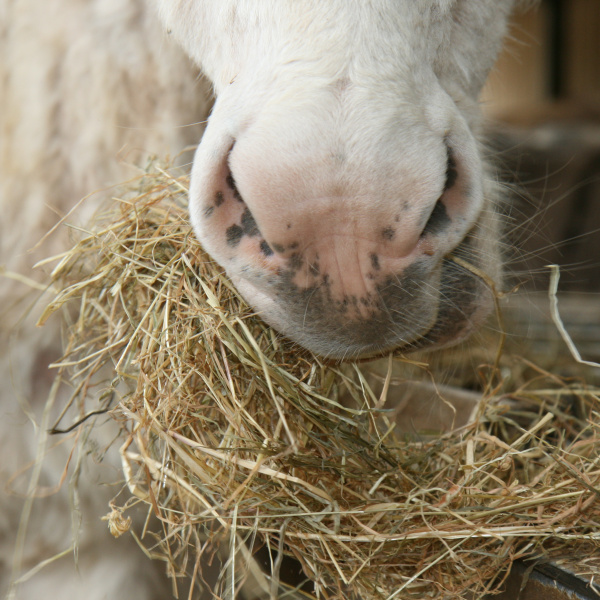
237 439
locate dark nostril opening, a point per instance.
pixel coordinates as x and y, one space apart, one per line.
451 170
438 219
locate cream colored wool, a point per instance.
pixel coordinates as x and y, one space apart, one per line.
88 89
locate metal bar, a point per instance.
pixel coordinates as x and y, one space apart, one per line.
545 582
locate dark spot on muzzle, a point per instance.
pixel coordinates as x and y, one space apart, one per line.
388 233
355 324
231 183
295 262
234 235
375 261
219 199
249 225
266 249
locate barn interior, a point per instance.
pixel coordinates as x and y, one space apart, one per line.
543 99
543 104
543 107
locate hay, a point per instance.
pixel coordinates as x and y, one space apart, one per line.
236 439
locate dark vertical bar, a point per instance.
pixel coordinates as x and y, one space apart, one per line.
557 12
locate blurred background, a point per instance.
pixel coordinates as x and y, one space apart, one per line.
543 100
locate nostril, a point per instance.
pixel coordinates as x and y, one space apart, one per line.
438 219
245 223
241 223
451 170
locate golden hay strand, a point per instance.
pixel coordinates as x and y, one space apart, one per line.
235 438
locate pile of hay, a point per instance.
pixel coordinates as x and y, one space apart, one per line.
237 440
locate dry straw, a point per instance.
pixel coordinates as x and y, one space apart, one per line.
236 440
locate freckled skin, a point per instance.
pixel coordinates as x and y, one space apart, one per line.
295 262
231 183
356 317
234 235
392 307
266 249
247 227
388 233
375 262
388 304
249 224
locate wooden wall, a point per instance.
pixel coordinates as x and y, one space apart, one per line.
552 55
543 100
